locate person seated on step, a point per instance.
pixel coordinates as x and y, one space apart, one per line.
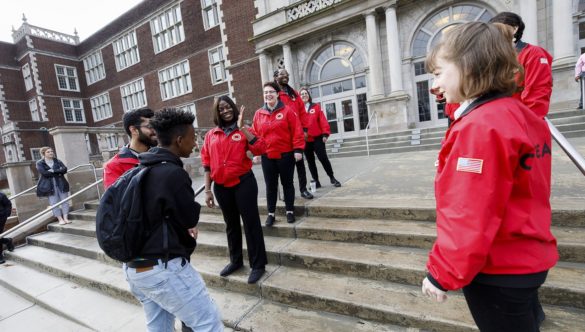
5 212
226 163
492 185
53 184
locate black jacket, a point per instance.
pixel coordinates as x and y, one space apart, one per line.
45 184
167 195
5 209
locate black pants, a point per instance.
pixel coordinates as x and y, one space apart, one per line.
502 309
272 168
302 175
317 147
242 200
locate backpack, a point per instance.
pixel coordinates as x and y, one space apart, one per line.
120 227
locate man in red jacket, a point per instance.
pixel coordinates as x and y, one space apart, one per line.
142 137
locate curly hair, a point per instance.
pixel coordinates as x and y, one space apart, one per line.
169 123
134 118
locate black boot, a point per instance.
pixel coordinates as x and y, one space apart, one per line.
2 261
335 182
8 242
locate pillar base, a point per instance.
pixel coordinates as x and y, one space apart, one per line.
391 111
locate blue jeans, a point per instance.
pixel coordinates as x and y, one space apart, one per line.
177 291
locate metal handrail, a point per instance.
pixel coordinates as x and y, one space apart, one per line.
49 208
373 115
571 152
69 170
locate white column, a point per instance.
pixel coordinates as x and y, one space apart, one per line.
528 11
263 61
287 53
394 53
564 50
376 83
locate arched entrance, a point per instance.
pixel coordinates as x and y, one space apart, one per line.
428 34
337 81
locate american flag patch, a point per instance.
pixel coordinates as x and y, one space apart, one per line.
544 61
469 165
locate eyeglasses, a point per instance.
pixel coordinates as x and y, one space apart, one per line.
269 92
148 126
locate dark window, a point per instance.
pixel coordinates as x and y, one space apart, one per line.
581 30
362 110
419 68
424 109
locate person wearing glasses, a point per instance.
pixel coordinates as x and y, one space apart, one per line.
278 125
226 163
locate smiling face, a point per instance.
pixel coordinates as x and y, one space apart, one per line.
447 80
282 77
305 96
270 95
146 134
226 113
49 154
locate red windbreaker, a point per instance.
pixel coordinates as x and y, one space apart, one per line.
492 193
317 122
281 130
226 157
118 165
537 84
296 105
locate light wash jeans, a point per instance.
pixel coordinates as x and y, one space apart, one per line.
63 209
175 291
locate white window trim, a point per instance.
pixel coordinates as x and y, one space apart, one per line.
204 9
93 108
221 63
30 85
118 67
173 81
39 117
67 77
183 106
101 73
32 153
122 95
73 109
177 26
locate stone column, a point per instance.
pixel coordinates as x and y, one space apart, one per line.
394 53
528 11
19 176
70 146
264 70
563 43
376 82
287 54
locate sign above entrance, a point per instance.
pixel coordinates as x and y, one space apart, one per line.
307 8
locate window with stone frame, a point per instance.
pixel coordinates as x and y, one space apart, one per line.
189 108
73 110
94 67
67 78
210 13
126 51
133 95
28 82
34 110
35 153
101 107
167 29
175 80
217 65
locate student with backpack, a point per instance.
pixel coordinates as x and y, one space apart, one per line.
160 275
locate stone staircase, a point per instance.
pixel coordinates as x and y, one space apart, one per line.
358 272
570 122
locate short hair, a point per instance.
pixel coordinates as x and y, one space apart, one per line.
481 72
44 149
216 118
133 118
510 19
273 85
169 123
308 92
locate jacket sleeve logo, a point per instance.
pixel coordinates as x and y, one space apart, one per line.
237 137
470 165
279 116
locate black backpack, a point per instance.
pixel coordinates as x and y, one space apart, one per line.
120 227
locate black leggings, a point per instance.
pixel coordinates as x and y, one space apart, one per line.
302 175
242 200
272 168
317 147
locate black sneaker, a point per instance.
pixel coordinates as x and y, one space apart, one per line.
335 182
269 221
255 275
290 218
306 194
318 184
230 268
9 244
2 261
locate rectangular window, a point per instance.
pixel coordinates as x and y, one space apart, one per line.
67 78
581 30
34 110
101 107
94 67
112 141
133 95
28 83
362 110
210 16
189 108
217 66
424 105
126 51
73 110
175 80
35 153
167 29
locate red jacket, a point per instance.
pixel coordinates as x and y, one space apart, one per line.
225 155
537 84
492 191
124 160
317 122
296 105
280 130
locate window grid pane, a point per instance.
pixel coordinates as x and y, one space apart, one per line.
73 110
217 65
101 107
133 95
94 67
167 29
175 80
67 78
210 15
126 51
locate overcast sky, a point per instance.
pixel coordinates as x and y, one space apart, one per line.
61 15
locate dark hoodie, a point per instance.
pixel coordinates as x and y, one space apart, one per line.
168 196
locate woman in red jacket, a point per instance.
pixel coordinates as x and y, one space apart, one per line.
226 163
318 131
281 130
498 248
